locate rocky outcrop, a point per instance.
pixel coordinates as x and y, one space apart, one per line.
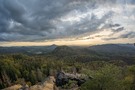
63 78
49 84
15 87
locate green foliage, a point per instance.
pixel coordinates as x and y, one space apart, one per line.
131 77
106 78
18 68
70 85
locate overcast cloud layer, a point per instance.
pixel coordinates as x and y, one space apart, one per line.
39 20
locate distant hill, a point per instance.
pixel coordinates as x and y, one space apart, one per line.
124 52
107 52
28 49
114 48
64 51
67 51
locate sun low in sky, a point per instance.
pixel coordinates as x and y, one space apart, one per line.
66 22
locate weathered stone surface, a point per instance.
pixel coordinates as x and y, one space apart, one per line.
49 84
63 78
15 87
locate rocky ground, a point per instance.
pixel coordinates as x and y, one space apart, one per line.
49 84
15 87
55 83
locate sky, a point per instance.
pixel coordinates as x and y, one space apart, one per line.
66 22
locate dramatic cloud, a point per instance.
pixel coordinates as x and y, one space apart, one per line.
128 35
41 20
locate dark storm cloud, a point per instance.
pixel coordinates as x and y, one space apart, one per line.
131 1
114 25
3 17
109 39
117 29
1 40
30 20
128 35
15 11
87 25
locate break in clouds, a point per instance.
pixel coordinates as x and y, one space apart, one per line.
37 20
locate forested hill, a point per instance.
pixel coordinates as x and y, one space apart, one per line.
114 48
106 52
28 49
106 48
96 49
